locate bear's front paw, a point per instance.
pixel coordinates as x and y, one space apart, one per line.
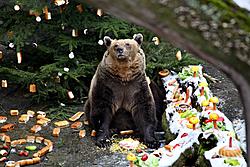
151 142
102 139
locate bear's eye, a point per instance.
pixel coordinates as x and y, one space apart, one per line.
116 45
127 44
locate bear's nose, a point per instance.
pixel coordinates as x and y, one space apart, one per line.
119 50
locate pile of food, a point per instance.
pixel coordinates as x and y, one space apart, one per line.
31 149
199 127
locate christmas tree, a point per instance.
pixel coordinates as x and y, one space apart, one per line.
50 50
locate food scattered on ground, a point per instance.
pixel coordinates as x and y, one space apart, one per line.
76 116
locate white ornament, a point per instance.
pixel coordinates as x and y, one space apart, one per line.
16 7
100 42
59 74
38 19
66 69
99 12
11 45
59 2
34 44
71 55
85 31
62 104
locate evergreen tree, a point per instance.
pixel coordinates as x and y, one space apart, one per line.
57 46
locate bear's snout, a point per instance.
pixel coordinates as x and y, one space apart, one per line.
119 50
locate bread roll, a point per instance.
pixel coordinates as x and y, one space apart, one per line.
76 116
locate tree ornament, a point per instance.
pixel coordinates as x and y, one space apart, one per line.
59 2
11 45
34 44
4 84
19 57
71 95
16 7
100 42
66 69
10 34
38 19
156 40
33 13
79 8
62 104
48 16
45 10
32 88
178 55
74 33
1 55
99 12
57 79
85 31
71 55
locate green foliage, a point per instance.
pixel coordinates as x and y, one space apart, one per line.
46 45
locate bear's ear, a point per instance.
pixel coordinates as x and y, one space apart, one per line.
138 38
107 41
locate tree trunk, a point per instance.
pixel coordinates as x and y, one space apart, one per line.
216 31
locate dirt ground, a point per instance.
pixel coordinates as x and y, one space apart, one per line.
71 151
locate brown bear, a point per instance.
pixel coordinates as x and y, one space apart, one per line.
120 95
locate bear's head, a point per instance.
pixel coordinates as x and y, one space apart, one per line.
123 49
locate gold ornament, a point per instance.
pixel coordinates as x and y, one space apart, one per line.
10 34
19 57
33 13
4 84
48 16
79 8
32 88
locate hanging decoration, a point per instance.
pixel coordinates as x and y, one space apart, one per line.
47 13
4 84
178 55
79 8
33 13
71 55
19 57
59 2
85 31
11 45
156 40
32 88
99 12
38 19
100 42
16 7
1 54
74 33
71 95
